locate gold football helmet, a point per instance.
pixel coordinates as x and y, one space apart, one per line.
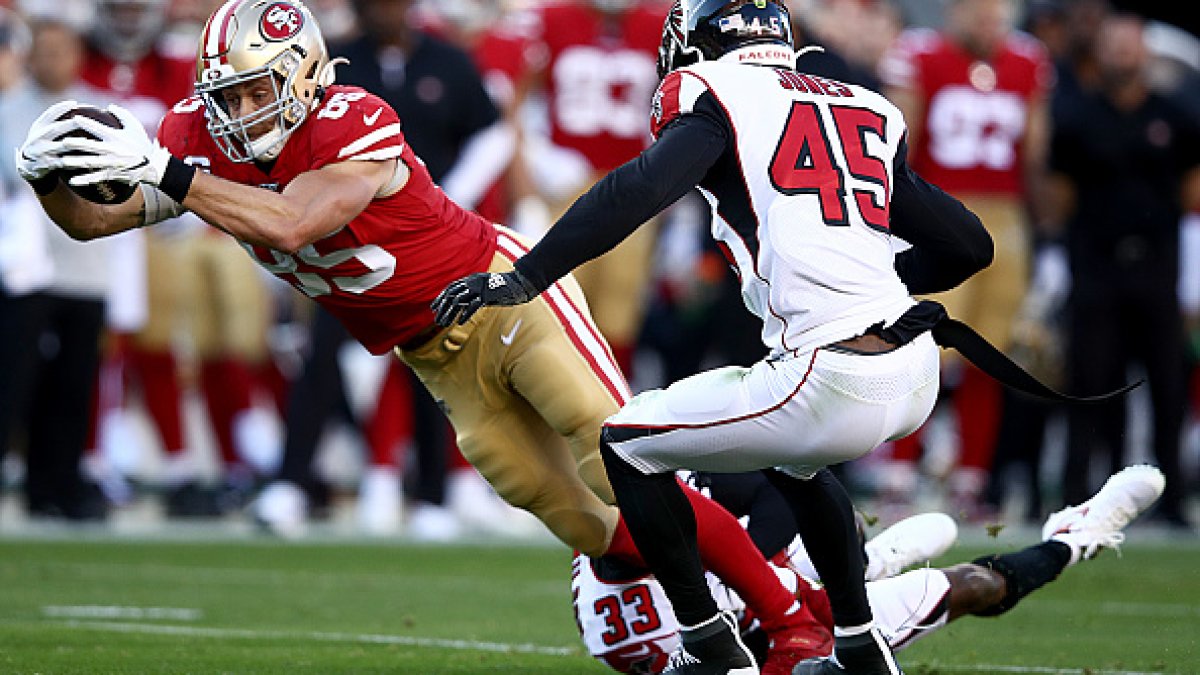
245 40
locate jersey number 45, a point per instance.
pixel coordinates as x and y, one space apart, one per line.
805 163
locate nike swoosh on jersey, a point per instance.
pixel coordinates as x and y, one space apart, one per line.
369 120
508 339
642 650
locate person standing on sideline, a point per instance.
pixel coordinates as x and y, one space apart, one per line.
52 294
976 98
808 181
1127 163
454 127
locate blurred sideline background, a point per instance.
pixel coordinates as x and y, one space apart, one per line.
161 377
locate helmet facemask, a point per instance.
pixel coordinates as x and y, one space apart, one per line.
234 135
276 41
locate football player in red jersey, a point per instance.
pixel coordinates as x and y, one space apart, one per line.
976 99
597 74
316 181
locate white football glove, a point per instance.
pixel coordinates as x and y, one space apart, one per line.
41 154
125 155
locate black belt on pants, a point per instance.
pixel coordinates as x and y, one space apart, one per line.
931 316
422 338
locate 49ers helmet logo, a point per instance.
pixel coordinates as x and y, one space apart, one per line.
281 21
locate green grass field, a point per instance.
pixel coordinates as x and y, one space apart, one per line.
260 606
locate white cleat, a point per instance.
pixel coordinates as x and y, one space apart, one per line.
282 508
433 523
480 510
1097 523
914 540
380 501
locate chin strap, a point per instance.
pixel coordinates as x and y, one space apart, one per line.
271 144
327 75
809 49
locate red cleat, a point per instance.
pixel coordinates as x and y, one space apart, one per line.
803 638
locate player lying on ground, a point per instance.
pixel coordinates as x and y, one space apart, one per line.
315 180
627 623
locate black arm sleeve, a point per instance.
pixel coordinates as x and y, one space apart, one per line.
628 196
949 242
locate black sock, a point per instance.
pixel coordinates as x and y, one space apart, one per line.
663 526
825 520
1025 571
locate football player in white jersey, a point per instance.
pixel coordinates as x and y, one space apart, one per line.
808 184
626 621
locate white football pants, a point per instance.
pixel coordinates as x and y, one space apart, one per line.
799 413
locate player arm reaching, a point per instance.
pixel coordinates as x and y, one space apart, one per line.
312 206
40 159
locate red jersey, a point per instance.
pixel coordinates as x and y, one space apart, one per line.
976 111
599 78
379 273
157 75
503 56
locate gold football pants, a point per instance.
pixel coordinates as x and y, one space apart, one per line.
527 389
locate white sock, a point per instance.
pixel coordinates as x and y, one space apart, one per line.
258 439
850 631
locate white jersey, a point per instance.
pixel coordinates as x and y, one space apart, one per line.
802 209
630 626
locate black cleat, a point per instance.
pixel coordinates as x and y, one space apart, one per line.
191 500
712 648
866 654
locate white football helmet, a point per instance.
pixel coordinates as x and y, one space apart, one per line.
246 40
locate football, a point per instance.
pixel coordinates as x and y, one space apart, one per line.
104 192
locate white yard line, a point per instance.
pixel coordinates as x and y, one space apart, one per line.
1039 669
118 612
1150 609
247 634
481 646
